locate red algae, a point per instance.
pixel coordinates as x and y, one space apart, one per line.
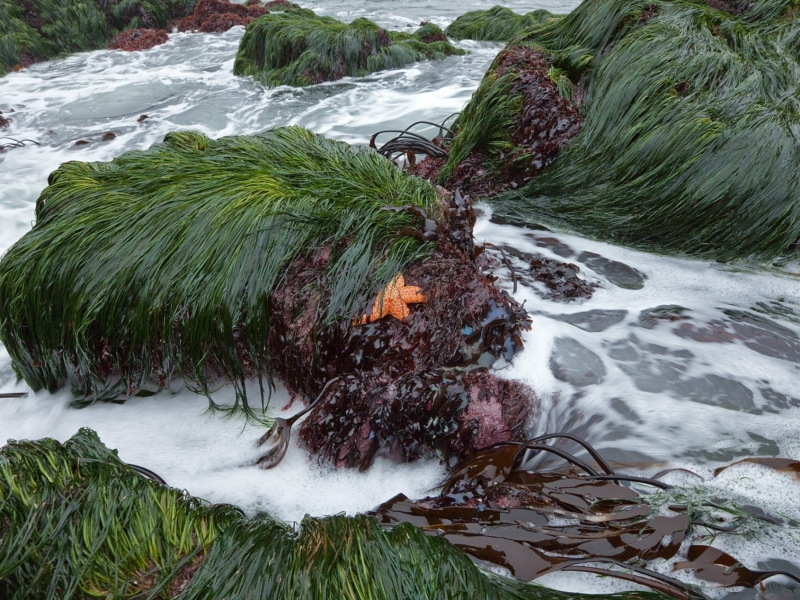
217 16
135 40
544 125
413 389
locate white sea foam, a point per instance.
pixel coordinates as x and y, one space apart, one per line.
647 397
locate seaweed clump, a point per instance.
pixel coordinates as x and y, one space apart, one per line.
136 40
516 124
299 48
415 389
77 522
196 305
216 16
37 30
256 257
688 138
497 24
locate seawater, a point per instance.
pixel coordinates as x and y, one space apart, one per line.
671 363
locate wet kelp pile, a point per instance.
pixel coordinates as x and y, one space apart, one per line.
299 48
77 522
498 24
689 117
505 514
277 255
36 30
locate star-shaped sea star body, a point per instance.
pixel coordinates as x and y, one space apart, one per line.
394 300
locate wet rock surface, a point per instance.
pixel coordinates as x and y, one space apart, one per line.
616 272
574 363
756 332
135 40
594 321
4 121
413 389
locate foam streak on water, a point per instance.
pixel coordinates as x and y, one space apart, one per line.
671 362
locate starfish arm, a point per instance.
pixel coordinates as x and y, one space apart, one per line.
411 294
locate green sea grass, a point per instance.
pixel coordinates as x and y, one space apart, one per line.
160 263
498 24
690 140
299 48
36 30
76 522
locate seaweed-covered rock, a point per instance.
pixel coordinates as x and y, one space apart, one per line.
688 138
300 48
216 16
258 257
414 388
134 40
76 522
36 30
498 24
516 124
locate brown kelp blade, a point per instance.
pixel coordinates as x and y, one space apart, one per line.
711 564
532 523
785 465
277 438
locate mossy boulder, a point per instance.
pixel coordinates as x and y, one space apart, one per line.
498 24
251 257
689 117
299 48
36 30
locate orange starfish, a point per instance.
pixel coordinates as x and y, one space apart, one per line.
394 300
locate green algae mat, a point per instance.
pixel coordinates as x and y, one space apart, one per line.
36 30
299 48
498 24
689 138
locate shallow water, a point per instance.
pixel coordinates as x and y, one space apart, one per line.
670 363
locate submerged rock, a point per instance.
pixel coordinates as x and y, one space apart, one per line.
299 48
36 30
